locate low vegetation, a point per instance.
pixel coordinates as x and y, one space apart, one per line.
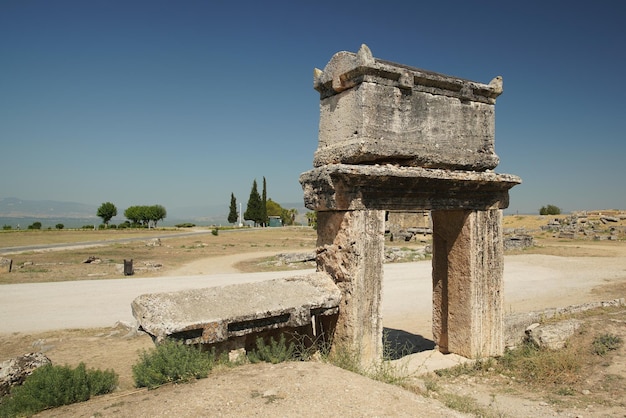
575 376
274 352
171 361
51 386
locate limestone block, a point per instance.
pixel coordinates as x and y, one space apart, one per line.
388 187
6 265
14 371
350 248
375 111
552 336
211 315
468 289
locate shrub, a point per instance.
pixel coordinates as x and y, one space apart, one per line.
550 210
215 231
185 225
59 226
605 343
274 352
35 225
172 361
87 227
51 386
7 227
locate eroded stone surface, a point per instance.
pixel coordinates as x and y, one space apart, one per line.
389 187
215 314
468 266
376 111
14 371
350 248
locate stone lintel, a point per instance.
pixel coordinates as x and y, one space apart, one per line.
347 69
211 315
389 187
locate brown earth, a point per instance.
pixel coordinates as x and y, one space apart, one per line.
307 388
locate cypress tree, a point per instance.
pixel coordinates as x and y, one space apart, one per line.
232 214
253 209
264 204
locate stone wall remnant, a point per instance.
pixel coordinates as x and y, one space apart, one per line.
398 138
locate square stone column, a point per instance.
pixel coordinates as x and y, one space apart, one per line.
350 248
468 288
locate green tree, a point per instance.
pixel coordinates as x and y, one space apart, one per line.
146 215
550 210
232 213
272 208
59 226
133 214
106 211
156 213
288 216
311 218
264 218
35 225
253 209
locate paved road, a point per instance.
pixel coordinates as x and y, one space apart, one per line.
531 282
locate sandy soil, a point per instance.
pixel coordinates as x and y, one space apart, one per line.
316 389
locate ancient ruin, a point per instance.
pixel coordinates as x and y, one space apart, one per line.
234 315
391 138
397 138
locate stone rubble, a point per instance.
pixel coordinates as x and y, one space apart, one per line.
14 371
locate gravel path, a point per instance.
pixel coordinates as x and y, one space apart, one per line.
531 282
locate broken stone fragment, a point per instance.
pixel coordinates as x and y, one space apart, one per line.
14 371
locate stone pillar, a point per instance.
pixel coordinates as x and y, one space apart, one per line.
350 248
468 288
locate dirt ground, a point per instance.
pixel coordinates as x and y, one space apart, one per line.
316 388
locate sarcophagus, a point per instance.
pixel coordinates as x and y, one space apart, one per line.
378 112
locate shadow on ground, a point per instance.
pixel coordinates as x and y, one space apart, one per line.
399 343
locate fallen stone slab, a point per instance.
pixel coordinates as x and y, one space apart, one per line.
516 324
215 314
553 336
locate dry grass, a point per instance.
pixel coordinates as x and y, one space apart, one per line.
174 252
573 377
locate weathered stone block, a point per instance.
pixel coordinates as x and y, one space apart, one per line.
6 265
388 187
468 290
375 111
350 248
212 315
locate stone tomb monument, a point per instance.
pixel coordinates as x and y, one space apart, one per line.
393 137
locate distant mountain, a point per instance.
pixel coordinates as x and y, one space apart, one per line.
12 207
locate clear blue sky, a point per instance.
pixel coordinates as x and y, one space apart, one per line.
181 103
